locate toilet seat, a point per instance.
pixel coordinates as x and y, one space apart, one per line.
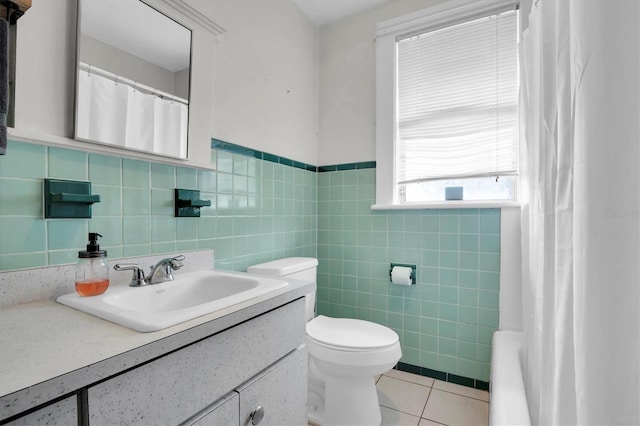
348 334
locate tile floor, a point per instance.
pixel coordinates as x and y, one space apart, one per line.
410 399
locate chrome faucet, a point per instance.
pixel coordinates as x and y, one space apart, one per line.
160 272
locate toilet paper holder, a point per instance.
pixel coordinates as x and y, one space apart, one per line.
413 270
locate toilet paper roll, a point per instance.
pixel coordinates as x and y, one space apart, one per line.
401 275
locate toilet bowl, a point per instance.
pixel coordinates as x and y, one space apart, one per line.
344 356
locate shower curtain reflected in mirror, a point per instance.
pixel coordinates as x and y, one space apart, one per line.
580 109
116 112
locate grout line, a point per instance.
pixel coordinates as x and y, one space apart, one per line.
432 387
408 381
426 402
459 394
422 413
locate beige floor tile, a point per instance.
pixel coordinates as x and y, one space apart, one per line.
425 422
452 409
410 377
461 390
397 418
402 396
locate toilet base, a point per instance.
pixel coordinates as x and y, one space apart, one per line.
338 401
351 402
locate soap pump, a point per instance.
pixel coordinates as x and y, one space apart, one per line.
92 269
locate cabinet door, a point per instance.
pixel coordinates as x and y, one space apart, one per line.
175 387
223 413
281 392
64 412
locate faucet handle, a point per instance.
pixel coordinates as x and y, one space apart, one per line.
176 262
138 279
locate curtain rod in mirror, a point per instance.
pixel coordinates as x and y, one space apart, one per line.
92 69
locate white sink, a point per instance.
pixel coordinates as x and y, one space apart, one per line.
191 295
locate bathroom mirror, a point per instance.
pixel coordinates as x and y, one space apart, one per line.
133 75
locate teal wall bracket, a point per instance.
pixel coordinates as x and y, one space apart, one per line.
187 203
68 199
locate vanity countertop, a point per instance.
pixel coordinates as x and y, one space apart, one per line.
49 350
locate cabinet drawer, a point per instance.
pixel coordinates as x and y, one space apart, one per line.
171 389
224 413
64 412
281 392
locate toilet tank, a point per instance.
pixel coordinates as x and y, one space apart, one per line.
302 268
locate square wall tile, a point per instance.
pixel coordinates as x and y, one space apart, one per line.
186 228
186 178
490 224
110 200
24 160
105 170
110 228
67 164
67 234
136 231
23 260
136 250
136 201
61 257
22 235
225 162
163 229
135 173
162 202
20 197
163 176
206 181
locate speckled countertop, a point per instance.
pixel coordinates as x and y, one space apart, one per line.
48 350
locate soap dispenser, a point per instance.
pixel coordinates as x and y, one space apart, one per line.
92 270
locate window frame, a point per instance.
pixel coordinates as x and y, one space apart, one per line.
387 33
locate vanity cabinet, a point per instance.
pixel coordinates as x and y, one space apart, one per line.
214 380
176 386
63 412
274 397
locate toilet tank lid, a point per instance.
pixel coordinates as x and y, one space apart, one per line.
283 267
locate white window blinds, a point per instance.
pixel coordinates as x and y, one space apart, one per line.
457 101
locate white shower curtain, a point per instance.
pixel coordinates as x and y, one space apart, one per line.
580 113
116 113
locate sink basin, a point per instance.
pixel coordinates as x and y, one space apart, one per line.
158 306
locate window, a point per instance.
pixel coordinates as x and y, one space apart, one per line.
447 105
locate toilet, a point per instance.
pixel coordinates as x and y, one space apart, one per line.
345 355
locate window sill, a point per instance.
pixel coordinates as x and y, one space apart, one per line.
450 205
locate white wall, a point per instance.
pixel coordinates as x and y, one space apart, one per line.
255 85
265 80
347 82
45 68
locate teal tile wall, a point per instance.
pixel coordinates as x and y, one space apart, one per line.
445 321
263 210
260 211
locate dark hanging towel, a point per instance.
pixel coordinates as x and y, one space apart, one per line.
4 83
